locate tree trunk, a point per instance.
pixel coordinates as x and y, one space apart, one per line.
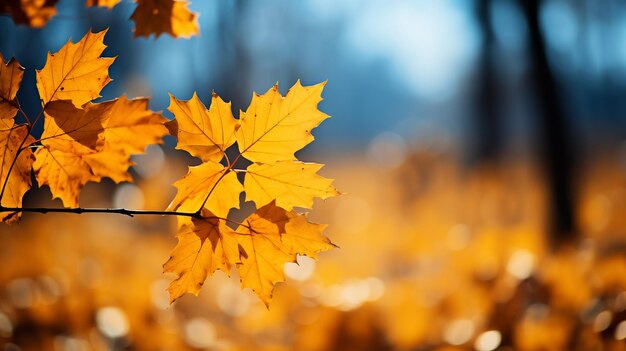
554 137
487 146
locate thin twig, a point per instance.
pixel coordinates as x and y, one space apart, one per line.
122 211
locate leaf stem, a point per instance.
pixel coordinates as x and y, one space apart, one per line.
228 169
236 159
43 108
228 164
213 188
22 111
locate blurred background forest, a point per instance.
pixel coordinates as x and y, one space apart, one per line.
481 146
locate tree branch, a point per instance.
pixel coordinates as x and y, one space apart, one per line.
122 211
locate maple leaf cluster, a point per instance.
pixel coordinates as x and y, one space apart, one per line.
81 141
84 141
156 17
268 133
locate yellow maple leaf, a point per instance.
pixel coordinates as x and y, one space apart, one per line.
83 145
35 13
203 133
164 16
11 74
269 238
210 179
76 72
274 127
290 183
304 237
12 138
201 250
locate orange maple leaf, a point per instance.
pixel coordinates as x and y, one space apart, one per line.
15 165
203 133
202 249
164 16
14 176
269 238
11 74
210 186
76 72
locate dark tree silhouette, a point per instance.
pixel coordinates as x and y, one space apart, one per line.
487 125
234 58
555 144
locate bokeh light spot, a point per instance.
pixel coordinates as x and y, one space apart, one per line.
200 333
488 341
301 271
112 322
458 332
521 264
387 150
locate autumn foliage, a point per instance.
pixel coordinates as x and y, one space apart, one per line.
151 16
84 141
